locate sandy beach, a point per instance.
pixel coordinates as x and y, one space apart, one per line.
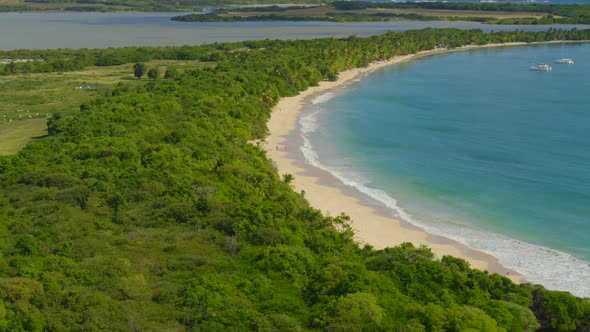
373 224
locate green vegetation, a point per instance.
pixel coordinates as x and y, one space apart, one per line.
552 13
149 211
50 61
153 74
350 11
8 9
268 8
15 135
27 100
214 17
328 17
139 70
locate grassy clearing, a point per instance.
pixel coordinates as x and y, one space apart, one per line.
15 135
26 101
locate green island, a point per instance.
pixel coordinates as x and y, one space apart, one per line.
147 209
350 11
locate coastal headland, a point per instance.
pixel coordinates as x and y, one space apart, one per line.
147 209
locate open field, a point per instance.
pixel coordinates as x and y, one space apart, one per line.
26 101
16 135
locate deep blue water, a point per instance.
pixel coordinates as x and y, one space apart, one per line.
475 146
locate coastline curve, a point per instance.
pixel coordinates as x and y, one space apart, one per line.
376 218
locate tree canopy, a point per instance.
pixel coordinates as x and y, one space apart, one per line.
149 211
139 70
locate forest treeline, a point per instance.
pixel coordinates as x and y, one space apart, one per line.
328 17
150 211
46 61
40 61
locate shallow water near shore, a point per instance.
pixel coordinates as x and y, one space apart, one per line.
473 146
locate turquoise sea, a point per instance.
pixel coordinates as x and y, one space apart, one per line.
474 146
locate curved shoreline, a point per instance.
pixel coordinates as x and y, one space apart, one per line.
372 223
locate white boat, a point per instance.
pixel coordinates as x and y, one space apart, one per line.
565 61
541 67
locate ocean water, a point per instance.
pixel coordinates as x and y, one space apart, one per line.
474 146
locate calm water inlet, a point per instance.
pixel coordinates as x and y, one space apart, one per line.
100 30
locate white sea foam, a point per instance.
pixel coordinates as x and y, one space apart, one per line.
363 76
323 98
309 123
551 268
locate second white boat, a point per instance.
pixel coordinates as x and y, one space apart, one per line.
565 61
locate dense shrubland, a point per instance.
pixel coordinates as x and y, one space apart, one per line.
40 61
149 210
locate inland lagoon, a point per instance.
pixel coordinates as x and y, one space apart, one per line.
100 30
